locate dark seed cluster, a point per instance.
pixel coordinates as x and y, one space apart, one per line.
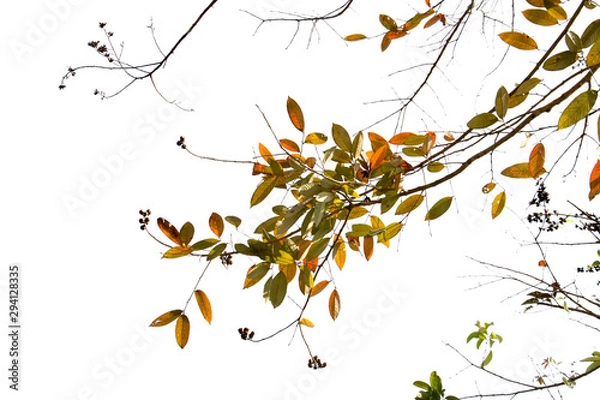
226 260
246 334
181 142
145 219
315 363
541 196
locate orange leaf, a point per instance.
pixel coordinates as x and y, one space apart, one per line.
536 160
368 244
379 156
389 36
377 141
595 181
169 230
260 169
399 138
289 145
295 114
265 153
318 288
204 304
334 304
542 263
215 222
432 20
313 264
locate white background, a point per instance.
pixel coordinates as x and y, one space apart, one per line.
91 281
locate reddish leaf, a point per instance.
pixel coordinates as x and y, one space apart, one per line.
169 230
536 160
594 181
289 145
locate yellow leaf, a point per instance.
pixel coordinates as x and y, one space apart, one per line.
355 37
339 254
295 114
410 204
315 138
263 190
204 304
520 171
182 330
577 109
306 322
265 153
498 204
540 17
166 318
482 120
177 251
519 40
334 304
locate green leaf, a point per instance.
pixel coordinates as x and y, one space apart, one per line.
390 231
233 220
574 42
177 251
501 102
204 244
518 40
540 17
413 151
520 170
409 204
527 86
256 273
216 251
488 359
577 109
166 318
498 204
591 34
439 208
482 120
422 385
359 230
317 248
560 61
263 190
435 167
290 218
436 382
341 138
186 233
388 22
278 289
